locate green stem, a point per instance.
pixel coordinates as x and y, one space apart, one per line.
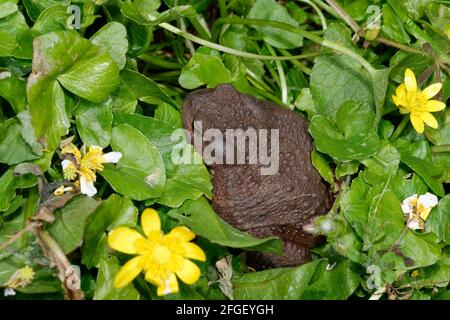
441 149
323 21
160 62
281 76
344 15
297 63
399 129
304 33
221 48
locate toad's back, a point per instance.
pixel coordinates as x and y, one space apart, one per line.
263 205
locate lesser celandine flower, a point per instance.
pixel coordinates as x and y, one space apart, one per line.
418 209
85 164
410 99
161 257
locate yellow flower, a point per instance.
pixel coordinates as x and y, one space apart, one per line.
161 257
418 209
410 99
86 164
21 278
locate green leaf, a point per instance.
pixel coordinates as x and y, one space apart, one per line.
336 284
441 135
92 86
383 164
414 8
183 180
322 166
337 78
8 44
393 27
167 114
28 133
70 59
48 112
53 18
421 167
15 30
437 275
404 187
114 212
194 213
140 174
113 38
274 284
13 89
272 11
352 137
35 7
7 190
346 168
94 123
421 249
204 69
68 228
144 88
12 140
105 289
439 220
7 8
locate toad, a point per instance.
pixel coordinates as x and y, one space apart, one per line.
272 203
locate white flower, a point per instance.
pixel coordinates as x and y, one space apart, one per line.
85 165
417 209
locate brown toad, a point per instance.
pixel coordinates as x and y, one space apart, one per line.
263 205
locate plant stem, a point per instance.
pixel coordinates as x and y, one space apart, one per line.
399 46
441 149
304 33
282 77
399 129
298 64
160 62
357 29
221 48
16 236
344 15
323 21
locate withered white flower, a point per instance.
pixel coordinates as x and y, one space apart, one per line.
418 208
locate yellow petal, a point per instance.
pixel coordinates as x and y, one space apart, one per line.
193 251
123 239
150 221
397 101
410 81
434 105
153 279
429 119
129 271
417 122
431 91
188 272
170 286
401 90
182 233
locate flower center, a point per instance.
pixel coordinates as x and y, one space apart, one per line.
416 101
162 254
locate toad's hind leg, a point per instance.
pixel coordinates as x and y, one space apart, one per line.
294 254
